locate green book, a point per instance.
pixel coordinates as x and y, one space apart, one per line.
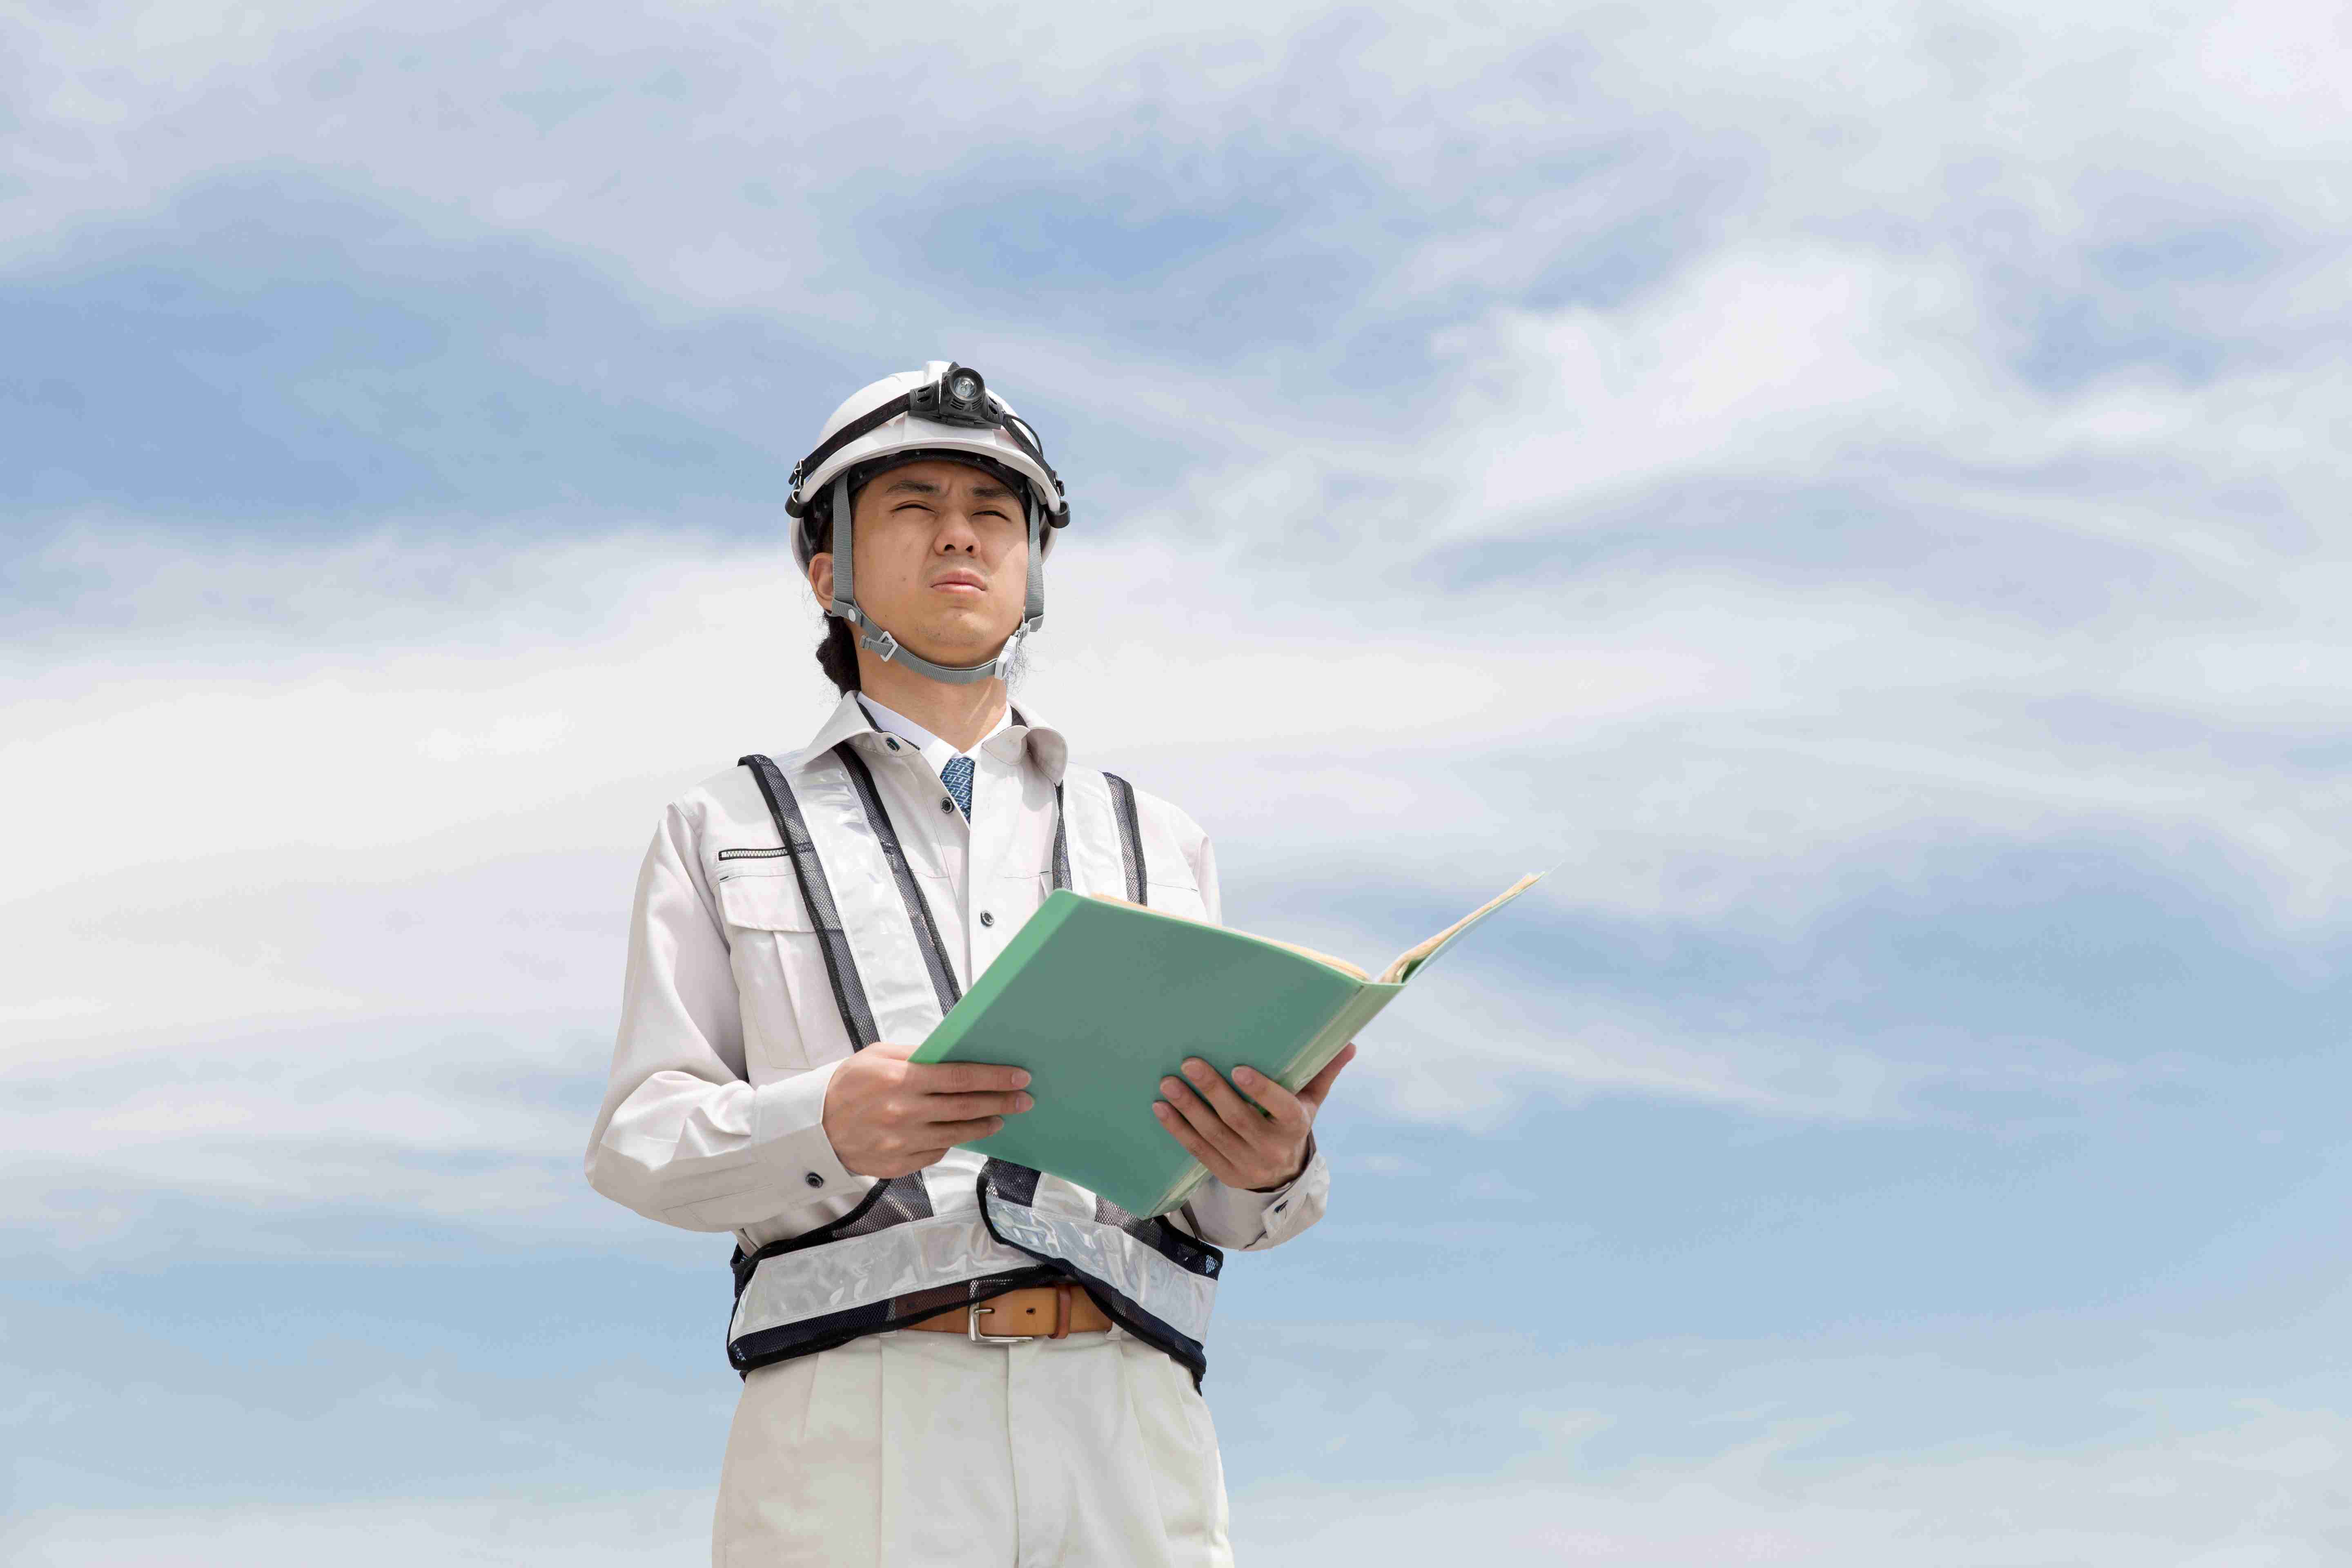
1100 999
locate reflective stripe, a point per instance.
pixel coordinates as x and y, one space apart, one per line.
918 908
1097 858
862 1270
924 1254
1130 840
1170 1292
884 946
1061 842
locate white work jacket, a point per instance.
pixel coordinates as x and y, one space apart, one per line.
730 1033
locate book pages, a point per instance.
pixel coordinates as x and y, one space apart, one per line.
1341 965
1414 956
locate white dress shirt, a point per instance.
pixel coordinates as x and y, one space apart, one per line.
936 751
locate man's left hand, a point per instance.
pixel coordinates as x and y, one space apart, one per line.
1221 1124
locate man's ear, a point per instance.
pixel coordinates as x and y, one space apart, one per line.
820 574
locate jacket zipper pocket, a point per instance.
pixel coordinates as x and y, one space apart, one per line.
753 854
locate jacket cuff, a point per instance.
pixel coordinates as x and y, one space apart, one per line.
1239 1217
788 1130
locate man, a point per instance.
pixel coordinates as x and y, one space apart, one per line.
948 1360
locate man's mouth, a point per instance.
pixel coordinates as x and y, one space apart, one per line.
962 580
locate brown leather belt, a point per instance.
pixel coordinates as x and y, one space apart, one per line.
1033 1313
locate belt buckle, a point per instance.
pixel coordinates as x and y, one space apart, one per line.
972 1329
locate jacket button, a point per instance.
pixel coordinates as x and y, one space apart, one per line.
813 1180
946 805
986 919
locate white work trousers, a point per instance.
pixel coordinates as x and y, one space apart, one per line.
924 1450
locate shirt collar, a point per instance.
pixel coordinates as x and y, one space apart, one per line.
898 724
1017 732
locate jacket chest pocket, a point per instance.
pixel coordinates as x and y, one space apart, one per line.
1168 886
790 1021
1177 898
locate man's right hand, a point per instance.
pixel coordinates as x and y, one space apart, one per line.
889 1117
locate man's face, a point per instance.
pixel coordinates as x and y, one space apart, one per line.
943 560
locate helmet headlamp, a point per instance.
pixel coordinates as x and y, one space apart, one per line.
957 397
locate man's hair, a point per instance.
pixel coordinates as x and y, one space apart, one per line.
836 655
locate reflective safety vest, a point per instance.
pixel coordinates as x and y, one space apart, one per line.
896 1257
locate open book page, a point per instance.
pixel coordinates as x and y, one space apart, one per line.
1405 963
1411 958
1341 965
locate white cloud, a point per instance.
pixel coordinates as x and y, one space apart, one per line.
1766 360
1864 119
2250 1492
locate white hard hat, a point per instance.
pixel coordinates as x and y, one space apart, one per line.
944 410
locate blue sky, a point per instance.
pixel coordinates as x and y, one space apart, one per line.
1861 491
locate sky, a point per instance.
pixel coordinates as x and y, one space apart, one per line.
1859 488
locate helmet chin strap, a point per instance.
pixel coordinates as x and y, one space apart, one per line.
875 639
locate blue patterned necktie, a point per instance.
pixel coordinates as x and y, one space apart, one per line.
957 776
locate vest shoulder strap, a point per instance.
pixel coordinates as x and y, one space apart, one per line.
1131 839
910 893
